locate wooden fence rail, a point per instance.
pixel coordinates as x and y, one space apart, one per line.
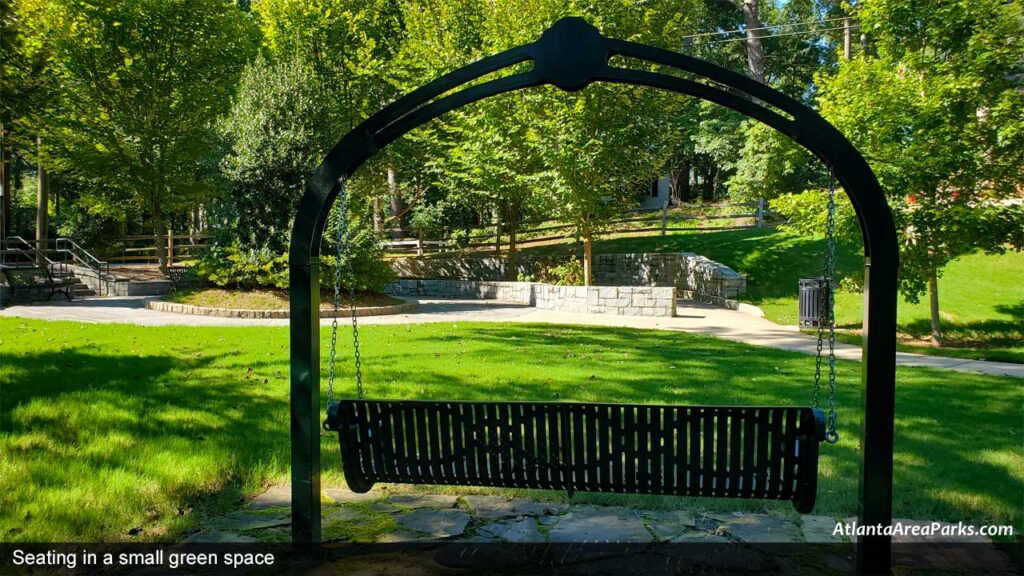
656 223
142 249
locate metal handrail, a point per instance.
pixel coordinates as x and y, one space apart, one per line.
39 255
68 248
83 256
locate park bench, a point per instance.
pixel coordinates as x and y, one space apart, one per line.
37 280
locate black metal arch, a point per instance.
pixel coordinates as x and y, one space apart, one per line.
571 55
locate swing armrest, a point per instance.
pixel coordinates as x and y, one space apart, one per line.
332 423
819 424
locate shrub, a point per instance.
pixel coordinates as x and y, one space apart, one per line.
565 273
236 267
249 269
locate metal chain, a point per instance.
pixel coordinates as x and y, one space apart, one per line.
826 302
344 254
337 306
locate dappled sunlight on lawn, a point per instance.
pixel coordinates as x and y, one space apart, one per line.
108 430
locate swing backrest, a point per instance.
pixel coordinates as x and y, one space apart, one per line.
717 451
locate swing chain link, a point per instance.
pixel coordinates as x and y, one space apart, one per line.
344 253
826 302
346 234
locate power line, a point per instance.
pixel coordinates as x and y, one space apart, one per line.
798 32
745 30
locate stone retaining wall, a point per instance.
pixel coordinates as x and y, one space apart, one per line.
461 268
691 274
179 308
616 300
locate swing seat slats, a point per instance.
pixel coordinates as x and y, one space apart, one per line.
712 451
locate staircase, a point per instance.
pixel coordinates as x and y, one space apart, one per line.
62 259
80 289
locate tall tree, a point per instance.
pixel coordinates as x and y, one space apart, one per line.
939 114
280 125
492 163
144 80
753 29
353 46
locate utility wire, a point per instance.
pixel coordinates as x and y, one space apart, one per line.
809 31
745 30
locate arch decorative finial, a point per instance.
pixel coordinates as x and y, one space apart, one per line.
570 54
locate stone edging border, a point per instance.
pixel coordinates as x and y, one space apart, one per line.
190 309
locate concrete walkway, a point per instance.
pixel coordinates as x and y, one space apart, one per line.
690 317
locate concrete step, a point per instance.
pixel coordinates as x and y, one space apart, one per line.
80 289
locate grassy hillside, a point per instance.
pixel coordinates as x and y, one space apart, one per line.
980 295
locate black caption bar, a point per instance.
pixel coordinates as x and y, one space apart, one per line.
591 559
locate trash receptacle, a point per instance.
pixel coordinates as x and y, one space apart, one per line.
813 309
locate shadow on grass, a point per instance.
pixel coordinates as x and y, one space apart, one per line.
993 339
958 453
93 440
93 445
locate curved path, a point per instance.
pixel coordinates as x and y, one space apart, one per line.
690 317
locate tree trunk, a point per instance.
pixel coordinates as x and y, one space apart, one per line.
588 255
680 181
376 214
42 207
160 237
513 252
847 39
708 184
933 304
5 188
395 196
755 51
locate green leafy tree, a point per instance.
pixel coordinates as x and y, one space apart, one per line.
939 117
353 46
280 125
143 82
770 164
492 164
600 148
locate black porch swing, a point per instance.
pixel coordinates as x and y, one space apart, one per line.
718 451
765 452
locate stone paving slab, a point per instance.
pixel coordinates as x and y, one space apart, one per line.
424 500
761 528
612 524
275 497
668 524
497 507
344 495
241 522
435 523
453 524
819 529
520 530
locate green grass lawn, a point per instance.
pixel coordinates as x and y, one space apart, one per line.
980 296
109 431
